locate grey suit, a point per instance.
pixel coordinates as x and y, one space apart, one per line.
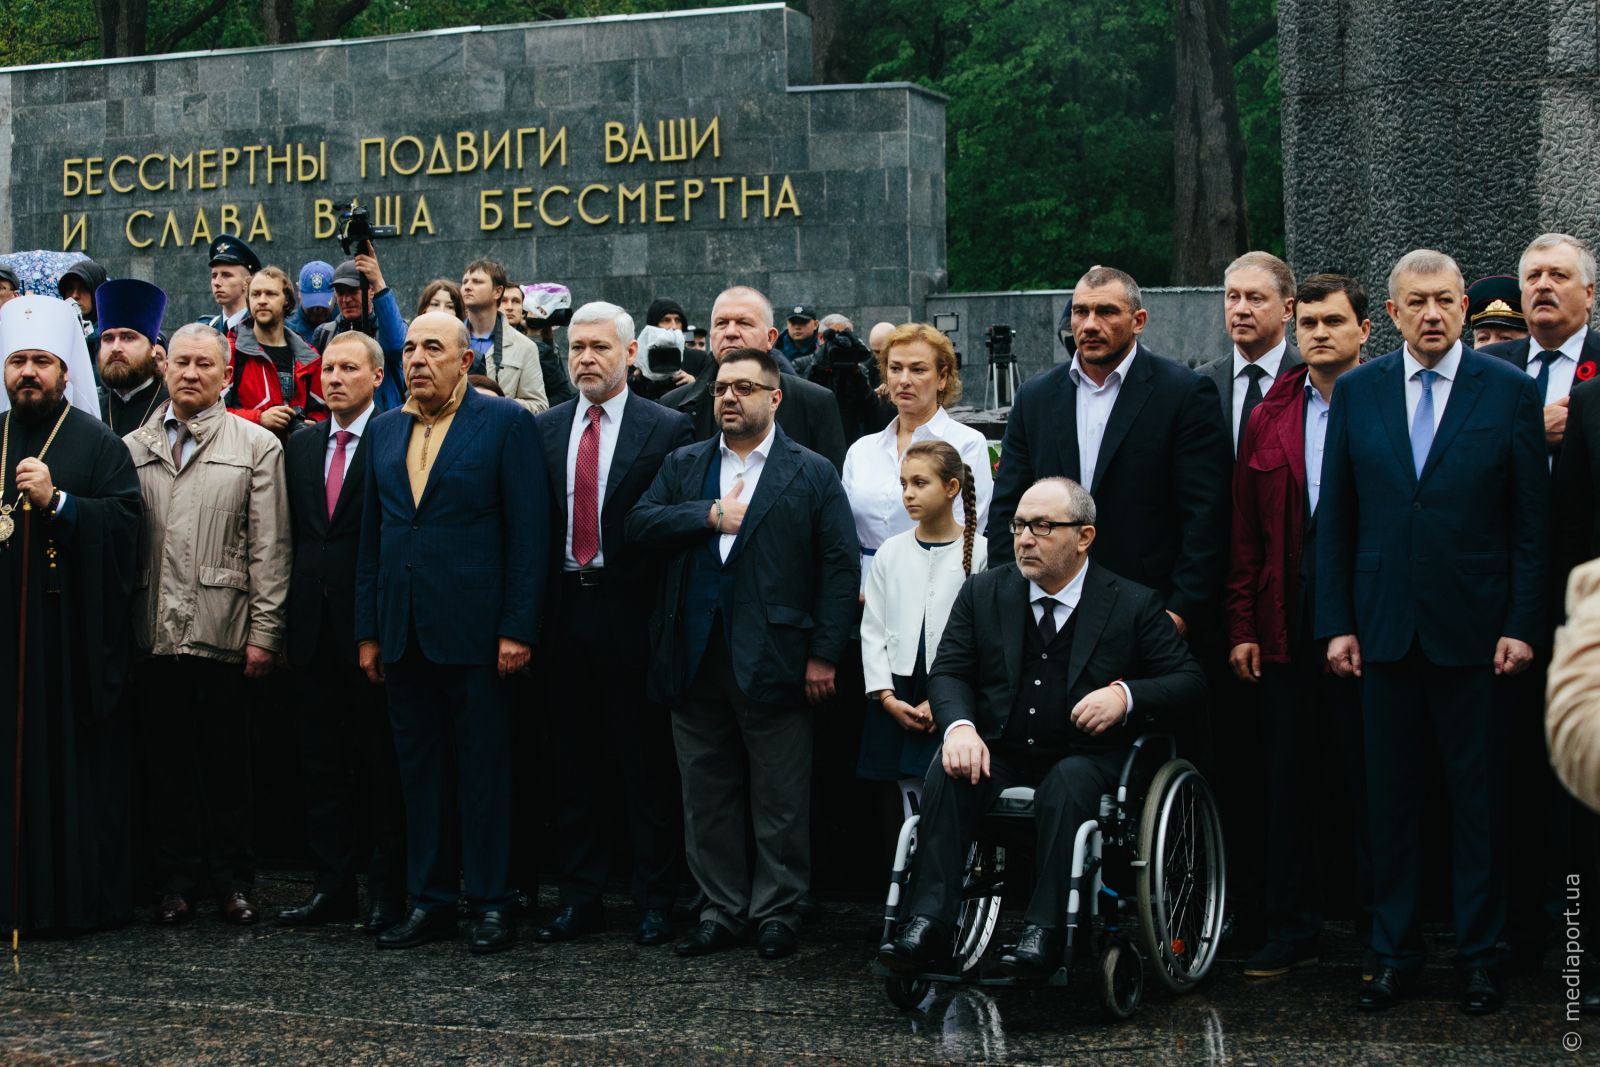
1220 371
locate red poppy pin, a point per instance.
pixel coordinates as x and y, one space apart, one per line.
1586 370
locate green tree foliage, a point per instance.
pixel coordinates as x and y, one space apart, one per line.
1059 118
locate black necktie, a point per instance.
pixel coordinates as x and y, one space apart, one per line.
1047 621
1541 380
1252 397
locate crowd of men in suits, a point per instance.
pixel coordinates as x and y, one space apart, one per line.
1327 573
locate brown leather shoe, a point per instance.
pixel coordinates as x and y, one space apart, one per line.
238 910
173 911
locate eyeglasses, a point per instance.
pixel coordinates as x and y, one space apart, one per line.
740 388
1039 527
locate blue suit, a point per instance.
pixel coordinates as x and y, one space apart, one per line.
438 582
1429 572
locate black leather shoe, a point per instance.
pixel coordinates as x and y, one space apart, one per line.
420 927
775 941
921 945
575 921
495 931
173 910
1280 957
1387 988
655 928
382 915
320 908
237 910
1037 954
1480 993
711 937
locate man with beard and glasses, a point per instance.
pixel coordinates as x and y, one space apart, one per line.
752 618
277 377
69 523
130 321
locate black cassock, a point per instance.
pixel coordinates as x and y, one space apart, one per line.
76 757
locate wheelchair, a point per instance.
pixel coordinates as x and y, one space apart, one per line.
1148 885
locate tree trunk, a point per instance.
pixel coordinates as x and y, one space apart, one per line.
122 27
277 21
327 18
1208 218
827 41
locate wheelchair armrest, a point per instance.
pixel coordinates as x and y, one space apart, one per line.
1018 800
1133 756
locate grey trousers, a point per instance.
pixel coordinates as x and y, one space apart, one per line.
735 755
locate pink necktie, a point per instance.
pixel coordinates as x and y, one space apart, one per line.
586 493
341 439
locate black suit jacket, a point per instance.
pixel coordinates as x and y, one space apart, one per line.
1160 481
324 569
1122 633
797 569
1517 353
809 414
1577 505
648 433
1220 371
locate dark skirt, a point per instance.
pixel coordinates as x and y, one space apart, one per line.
889 752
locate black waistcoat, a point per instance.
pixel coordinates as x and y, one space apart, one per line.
1040 726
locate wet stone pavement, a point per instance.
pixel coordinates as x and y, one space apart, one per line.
210 993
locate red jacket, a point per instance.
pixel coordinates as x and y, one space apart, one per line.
255 379
1269 508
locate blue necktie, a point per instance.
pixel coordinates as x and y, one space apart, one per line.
1422 421
1541 381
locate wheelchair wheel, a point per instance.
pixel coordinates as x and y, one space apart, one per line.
980 904
1121 979
1181 881
906 993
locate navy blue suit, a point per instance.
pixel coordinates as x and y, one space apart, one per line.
438 582
1429 572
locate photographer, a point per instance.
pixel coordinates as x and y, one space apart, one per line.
277 377
545 306
659 368
844 365
381 320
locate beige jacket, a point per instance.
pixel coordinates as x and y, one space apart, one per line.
517 371
214 551
1572 707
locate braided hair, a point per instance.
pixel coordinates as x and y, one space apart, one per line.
948 464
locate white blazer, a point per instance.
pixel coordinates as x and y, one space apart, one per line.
910 592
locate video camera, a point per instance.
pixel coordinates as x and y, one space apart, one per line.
997 340
356 232
841 348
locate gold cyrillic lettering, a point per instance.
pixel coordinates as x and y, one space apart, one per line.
127 229
521 197
550 147
616 147
665 192
74 231
144 182
259 230
487 205
439 159
170 229
421 219
324 220
201 228
228 220
467 149
206 161
394 163
712 134
722 195
625 196
381 145
583 213
545 215
673 137
286 160
693 189
787 201
71 180
500 150
111 175
174 165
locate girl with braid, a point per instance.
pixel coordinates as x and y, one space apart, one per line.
914 581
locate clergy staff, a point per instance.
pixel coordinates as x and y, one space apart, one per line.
208 613
130 354
69 521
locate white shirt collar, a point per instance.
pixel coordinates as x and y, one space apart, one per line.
1269 362
1069 594
935 429
1117 376
612 407
764 449
356 428
136 390
1446 367
1572 347
1312 395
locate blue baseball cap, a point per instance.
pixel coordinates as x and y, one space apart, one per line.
316 284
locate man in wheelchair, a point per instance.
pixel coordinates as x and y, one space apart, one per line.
1048 670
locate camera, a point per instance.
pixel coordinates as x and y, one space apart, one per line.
356 231
662 351
841 348
997 339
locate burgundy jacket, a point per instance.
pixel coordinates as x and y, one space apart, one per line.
1269 508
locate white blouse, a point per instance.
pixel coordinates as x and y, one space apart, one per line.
909 594
872 479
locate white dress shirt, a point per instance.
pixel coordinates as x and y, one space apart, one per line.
610 427
1269 363
1066 599
1447 368
1094 411
872 480
1316 440
747 469
170 423
355 429
1562 370
232 322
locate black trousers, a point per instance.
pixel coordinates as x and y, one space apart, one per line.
613 749
1412 709
352 783
1314 781
196 726
452 718
737 755
1066 794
